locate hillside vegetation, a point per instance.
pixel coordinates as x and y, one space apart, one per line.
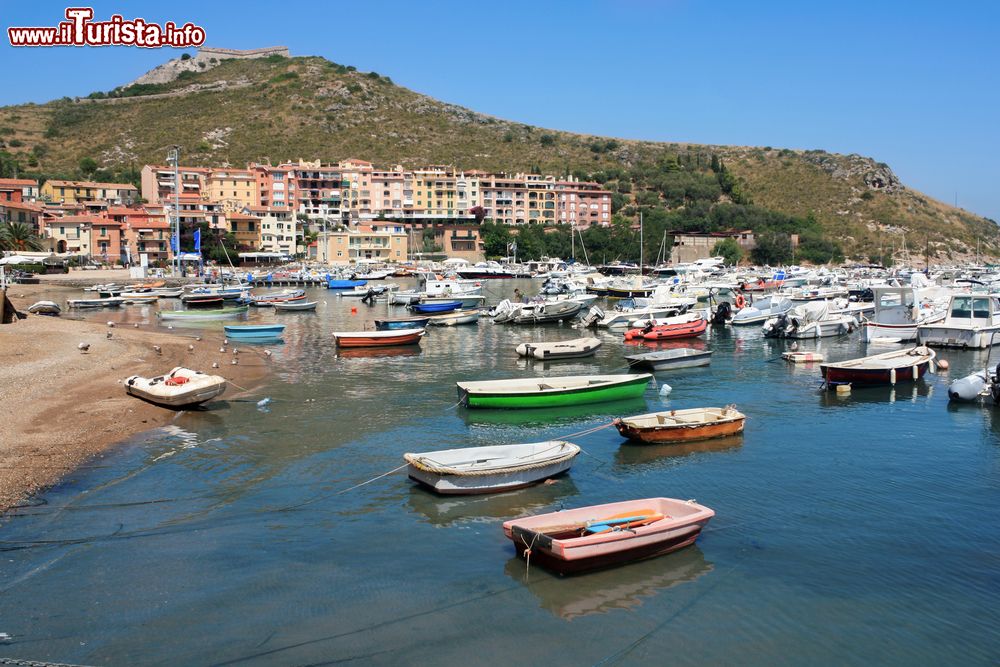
277 109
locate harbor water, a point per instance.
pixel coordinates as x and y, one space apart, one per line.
850 529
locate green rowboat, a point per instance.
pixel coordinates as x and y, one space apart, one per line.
217 314
549 392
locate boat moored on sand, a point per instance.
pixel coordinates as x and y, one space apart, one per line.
180 388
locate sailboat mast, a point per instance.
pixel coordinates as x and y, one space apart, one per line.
640 244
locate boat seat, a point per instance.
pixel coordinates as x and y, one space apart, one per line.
545 386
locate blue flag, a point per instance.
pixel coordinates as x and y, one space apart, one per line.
197 240
173 243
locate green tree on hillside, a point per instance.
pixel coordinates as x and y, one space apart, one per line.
773 249
728 249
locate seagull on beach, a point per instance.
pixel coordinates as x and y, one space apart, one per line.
83 347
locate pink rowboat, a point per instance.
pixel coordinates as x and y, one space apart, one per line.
378 338
601 536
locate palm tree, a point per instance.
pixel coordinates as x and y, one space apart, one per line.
20 237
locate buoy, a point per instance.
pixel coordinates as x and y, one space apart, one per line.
942 364
354 310
665 389
843 389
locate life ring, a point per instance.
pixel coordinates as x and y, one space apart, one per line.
176 381
740 301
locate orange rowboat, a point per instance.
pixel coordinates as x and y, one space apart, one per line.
682 425
669 331
378 338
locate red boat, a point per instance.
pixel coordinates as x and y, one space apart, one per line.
908 365
687 329
378 338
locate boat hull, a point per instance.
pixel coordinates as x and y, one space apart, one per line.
578 396
444 307
693 360
378 341
664 434
872 377
938 335
409 323
479 484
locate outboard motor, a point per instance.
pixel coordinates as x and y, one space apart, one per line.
369 297
968 388
594 316
722 313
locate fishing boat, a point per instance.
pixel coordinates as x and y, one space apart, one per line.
971 322
556 311
682 425
294 306
180 388
683 326
564 349
288 296
203 301
545 392
666 360
900 310
761 310
493 469
345 284
455 317
389 324
245 331
439 307
588 538
109 302
194 315
44 308
378 338
888 368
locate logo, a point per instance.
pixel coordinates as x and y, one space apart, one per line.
80 30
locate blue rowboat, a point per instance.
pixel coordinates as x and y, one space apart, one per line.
401 323
242 331
443 307
345 284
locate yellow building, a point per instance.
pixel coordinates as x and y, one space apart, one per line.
233 188
435 192
375 242
73 192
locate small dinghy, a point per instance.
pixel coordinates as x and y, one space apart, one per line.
378 338
195 315
291 306
180 388
554 311
665 360
564 349
547 392
109 302
253 331
598 536
889 368
682 425
287 296
686 326
494 469
345 284
402 323
456 317
437 307
44 308
203 300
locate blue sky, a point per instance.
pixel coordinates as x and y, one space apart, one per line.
913 84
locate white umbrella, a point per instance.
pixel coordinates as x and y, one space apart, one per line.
17 259
456 260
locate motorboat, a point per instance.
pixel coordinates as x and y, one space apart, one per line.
490 469
761 309
44 308
541 313
588 538
900 310
180 388
971 322
809 320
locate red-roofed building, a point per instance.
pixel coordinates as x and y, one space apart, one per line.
158 182
27 187
80 191
21 211
147 233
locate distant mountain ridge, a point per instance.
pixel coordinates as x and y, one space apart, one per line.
276 108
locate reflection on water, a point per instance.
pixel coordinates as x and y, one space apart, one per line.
450 510
633 454
604 591
570 414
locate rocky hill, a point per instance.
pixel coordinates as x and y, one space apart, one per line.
277 108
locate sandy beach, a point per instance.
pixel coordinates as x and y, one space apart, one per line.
60 406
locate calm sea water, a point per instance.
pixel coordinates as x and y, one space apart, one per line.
849 530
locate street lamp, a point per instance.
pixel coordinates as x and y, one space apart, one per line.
173 158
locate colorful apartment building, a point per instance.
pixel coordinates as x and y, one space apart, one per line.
246 229
274 186
235 189
383 241
71 192
280 230
158 182
18 189
106 241
69 234
147 233
27 213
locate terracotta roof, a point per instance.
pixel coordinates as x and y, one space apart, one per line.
92 184
27 206
18 181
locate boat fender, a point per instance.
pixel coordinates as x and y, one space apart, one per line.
892 376
665 389
916 373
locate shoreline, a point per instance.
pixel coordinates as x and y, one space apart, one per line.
60 407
